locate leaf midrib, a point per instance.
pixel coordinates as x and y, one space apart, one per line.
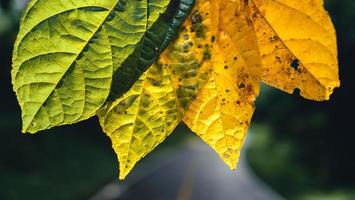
64 11
140 96
46 99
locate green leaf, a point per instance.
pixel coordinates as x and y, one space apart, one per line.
66 53
154 42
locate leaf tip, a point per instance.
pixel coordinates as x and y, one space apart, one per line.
123 174
231 162
330 89
125 167
121 177
25 130
230 158
25 126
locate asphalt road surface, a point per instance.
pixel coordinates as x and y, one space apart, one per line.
192 172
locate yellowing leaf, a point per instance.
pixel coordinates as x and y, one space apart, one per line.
221 113
298 46
189 58
144 116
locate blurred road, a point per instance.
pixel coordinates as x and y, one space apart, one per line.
193 172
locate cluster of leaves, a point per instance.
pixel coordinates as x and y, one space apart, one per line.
143 67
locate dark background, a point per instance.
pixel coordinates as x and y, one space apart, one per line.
302 149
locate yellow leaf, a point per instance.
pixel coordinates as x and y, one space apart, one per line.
221 113
237 24
298 46
144 116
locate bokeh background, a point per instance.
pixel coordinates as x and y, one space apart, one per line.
297 149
